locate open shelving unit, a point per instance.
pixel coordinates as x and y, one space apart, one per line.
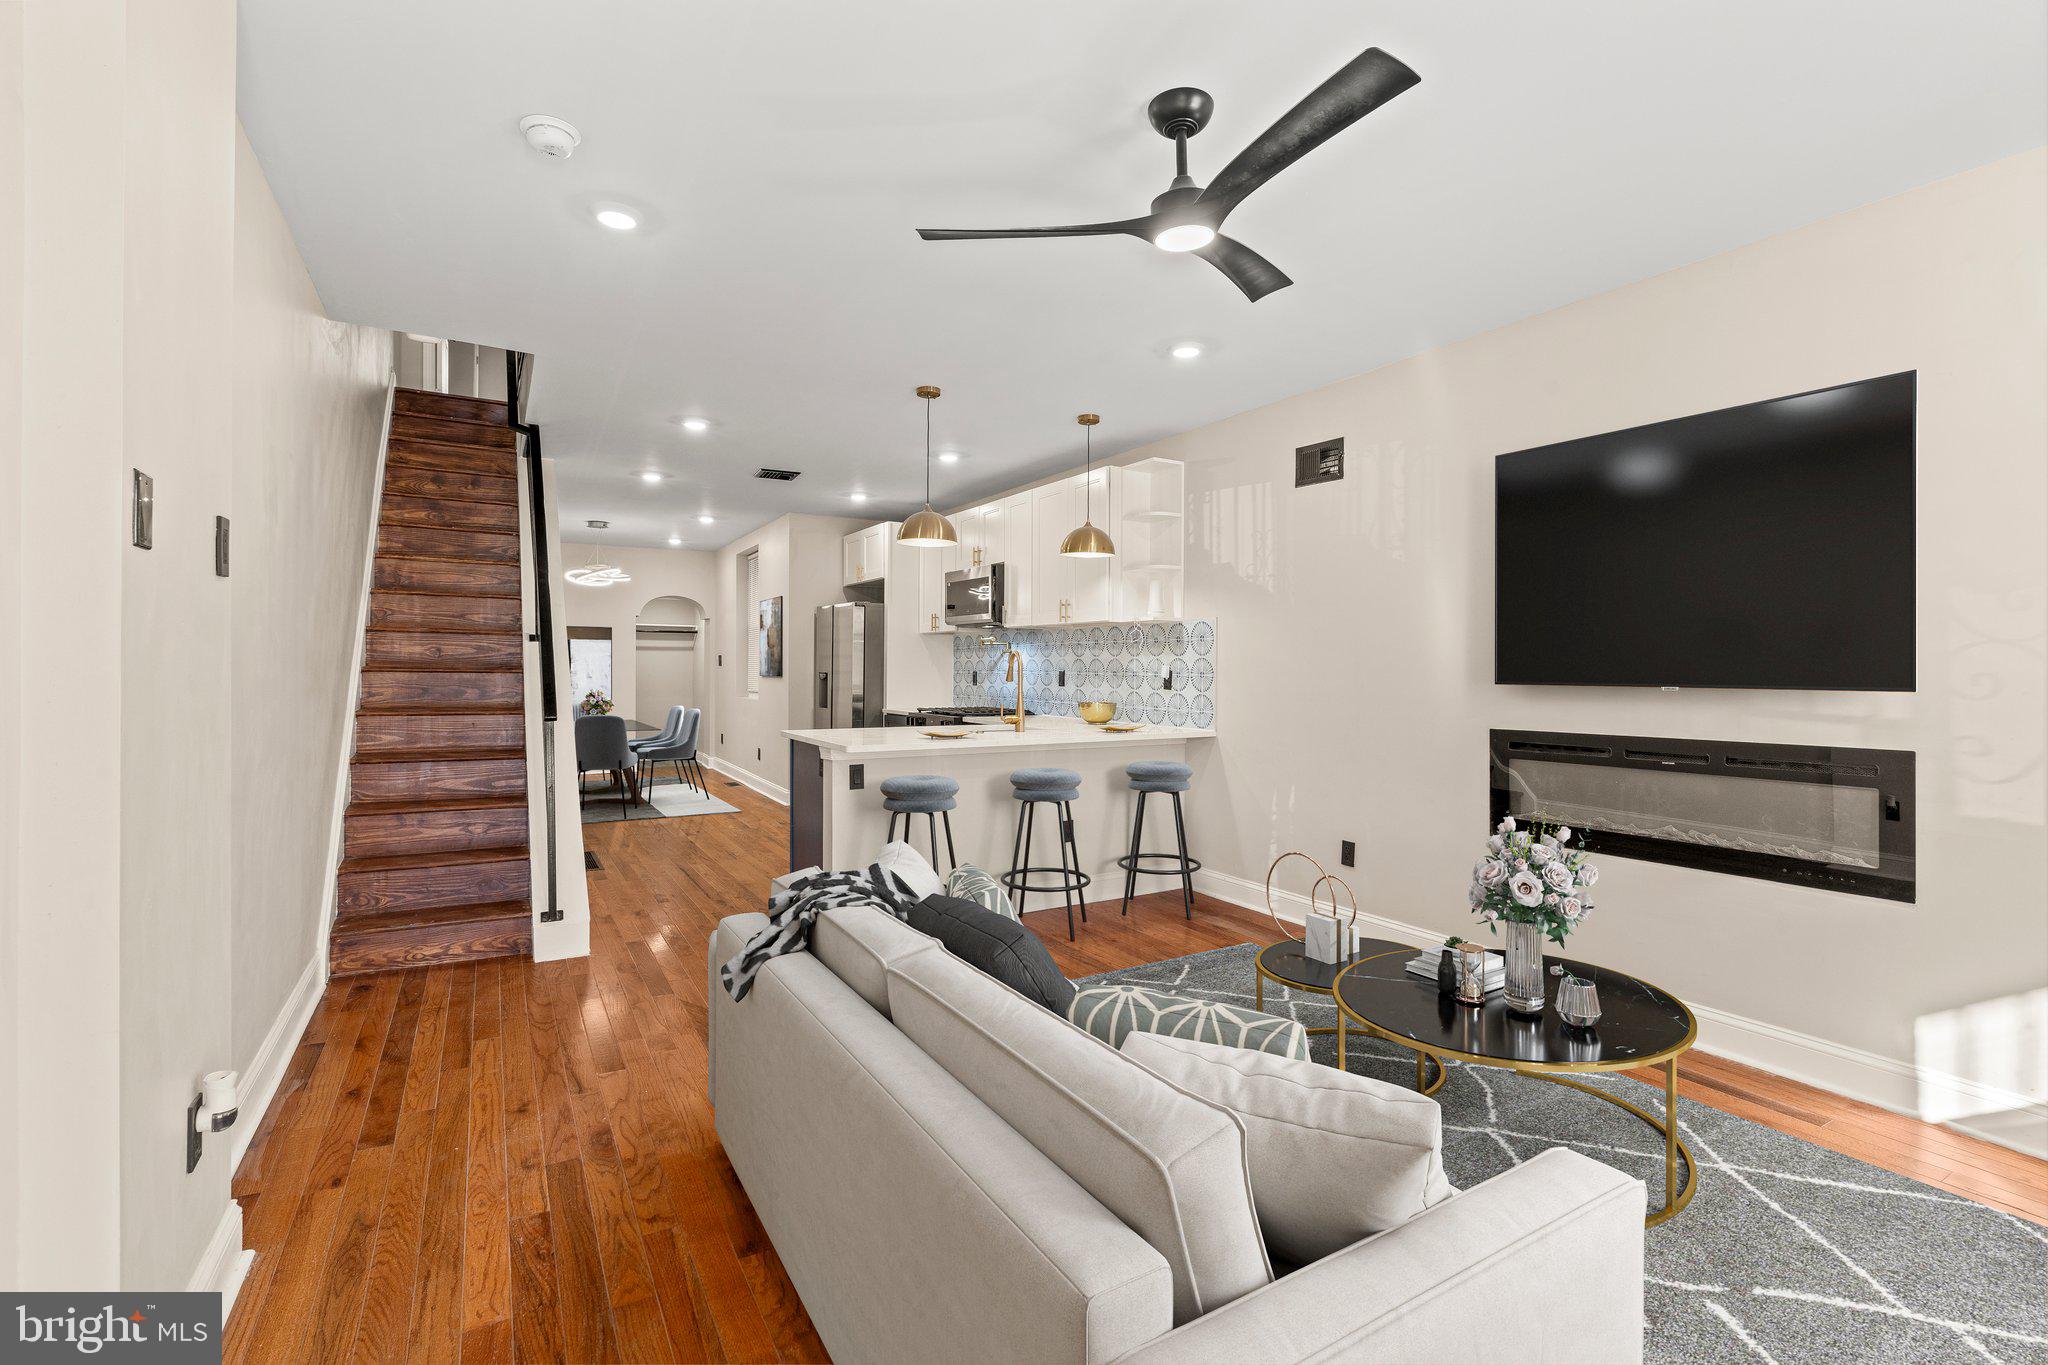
1151 540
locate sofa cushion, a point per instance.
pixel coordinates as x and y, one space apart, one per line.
970 883
1002 947
858 942
1113 1012
1169 1165
1334 1157
911 869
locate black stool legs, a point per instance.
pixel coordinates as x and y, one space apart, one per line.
1072 883
1176 864
931 828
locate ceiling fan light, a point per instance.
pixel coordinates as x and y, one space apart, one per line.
927 530
1185 237
1088 541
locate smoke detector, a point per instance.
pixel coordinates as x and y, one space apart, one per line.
549 135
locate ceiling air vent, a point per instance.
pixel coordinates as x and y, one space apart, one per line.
780 475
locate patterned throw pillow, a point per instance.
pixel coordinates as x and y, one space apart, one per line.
970 883
1111 1012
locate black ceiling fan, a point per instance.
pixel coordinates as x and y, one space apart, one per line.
1187 216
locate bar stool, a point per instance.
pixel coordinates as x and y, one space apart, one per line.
1170 779
930 796
1050 786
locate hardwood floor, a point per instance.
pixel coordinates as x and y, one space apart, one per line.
506 1160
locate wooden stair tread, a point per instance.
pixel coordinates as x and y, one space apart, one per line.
360 922
426 805
480 755
454 857
441 712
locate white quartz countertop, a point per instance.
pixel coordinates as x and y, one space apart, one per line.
1040 732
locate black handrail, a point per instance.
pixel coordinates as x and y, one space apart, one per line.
543 611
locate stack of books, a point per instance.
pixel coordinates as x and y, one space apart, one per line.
1424 966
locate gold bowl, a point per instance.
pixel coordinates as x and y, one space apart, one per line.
1096 712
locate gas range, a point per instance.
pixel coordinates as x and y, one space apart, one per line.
974 712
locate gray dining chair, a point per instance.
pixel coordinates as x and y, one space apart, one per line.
601 747
671 729
680 751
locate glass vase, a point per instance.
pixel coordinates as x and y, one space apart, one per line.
1524 989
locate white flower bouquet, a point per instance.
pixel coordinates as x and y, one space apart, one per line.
1533 876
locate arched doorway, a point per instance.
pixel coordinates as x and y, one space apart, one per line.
669 651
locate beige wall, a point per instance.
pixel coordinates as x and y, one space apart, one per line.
309 398
1355 619
125 979
656 573
800 563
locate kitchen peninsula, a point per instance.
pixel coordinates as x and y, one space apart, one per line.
836 818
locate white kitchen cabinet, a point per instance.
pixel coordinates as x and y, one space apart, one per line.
931 590
1019 553
1065 590
865 554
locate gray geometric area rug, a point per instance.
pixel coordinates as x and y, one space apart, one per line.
667 799
1788 1252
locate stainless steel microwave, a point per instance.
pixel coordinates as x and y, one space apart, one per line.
974 597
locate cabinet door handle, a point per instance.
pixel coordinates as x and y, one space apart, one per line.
935 620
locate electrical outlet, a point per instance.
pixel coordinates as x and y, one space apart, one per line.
974 676
1166 678
1063 678
757 755
856 776
194 1143
1349 854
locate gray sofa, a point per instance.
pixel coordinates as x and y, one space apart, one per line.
950 1172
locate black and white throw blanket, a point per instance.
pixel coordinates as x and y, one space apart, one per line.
792 909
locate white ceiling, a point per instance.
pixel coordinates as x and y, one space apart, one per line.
781 155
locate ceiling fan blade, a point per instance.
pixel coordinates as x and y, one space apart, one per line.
1129 225
1243 267
1367 81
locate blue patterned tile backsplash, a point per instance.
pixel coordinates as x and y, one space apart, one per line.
1160 672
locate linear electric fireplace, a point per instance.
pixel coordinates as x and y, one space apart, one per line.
1835 818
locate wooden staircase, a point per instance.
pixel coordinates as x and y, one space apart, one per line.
434 862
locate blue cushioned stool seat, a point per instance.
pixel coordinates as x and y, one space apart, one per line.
919 795
1045 784
1159 777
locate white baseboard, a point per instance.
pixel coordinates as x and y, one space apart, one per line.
264 1072
2009 1118
224 1264
779 795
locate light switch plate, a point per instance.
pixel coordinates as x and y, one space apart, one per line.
220 547
143 511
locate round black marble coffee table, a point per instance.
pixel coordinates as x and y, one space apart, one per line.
1640 1025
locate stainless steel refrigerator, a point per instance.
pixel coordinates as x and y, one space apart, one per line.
846 686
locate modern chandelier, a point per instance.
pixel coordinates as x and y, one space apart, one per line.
596 574
927 530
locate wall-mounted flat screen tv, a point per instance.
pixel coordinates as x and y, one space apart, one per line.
1769 545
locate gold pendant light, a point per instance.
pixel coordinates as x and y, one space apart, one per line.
927 530
1088 541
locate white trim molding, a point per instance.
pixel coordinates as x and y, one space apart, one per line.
223 1265
779 795
265 1071
1853 1073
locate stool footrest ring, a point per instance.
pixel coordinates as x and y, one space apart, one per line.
1175 864
1017 879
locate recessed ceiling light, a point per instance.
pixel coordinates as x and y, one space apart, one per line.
618 220
949 457
695 424
860 497
704 520
650 476
675 540
1187 350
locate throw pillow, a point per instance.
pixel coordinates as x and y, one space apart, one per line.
1112 1012
911 868
1334 1157
1001 947
970 883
